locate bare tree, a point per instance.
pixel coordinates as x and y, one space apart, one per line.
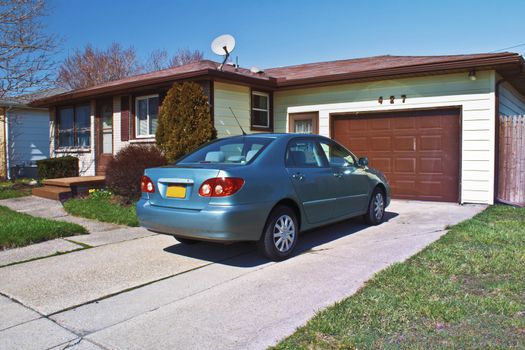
158 59
26 51
92 66
185 56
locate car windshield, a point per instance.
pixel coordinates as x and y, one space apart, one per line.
238 150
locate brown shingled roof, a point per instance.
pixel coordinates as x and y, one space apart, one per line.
361 67
301 75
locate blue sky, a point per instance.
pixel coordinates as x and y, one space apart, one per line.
273 33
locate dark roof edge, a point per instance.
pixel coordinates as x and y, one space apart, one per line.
491 62
121 88
273 83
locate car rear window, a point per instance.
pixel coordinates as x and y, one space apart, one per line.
238 150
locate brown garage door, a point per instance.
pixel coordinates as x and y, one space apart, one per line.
418 151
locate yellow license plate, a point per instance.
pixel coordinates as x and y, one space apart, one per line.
176 192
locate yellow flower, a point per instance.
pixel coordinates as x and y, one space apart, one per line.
92 190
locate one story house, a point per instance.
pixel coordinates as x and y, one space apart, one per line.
24 134
428 122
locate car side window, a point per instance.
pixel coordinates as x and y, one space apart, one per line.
304 154
337 156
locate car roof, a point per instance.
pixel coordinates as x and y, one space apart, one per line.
279 135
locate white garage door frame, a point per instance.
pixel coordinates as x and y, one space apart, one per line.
477 144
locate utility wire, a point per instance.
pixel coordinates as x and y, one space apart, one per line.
508 48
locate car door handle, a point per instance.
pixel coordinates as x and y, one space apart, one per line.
338 174
298 176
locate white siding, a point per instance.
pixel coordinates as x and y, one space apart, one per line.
118 144
475 98
28 136
511 102
86 159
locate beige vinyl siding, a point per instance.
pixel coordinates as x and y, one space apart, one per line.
476 100
238 98
511 102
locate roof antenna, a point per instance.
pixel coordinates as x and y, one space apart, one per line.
237 120
223 45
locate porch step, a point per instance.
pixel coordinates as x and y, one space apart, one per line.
76 181
67 187
53 192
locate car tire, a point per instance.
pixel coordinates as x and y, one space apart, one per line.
376 208
186 240
280 234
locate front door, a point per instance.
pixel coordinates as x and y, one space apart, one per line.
304 123
104 139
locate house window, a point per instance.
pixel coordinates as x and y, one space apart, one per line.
147 110
74 126
260 109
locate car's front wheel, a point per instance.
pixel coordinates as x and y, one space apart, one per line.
376 208
280 234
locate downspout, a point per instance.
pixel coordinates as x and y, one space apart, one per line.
8 172
496 146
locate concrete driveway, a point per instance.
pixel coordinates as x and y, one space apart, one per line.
151 293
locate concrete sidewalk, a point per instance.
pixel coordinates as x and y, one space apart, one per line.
152 293
101 233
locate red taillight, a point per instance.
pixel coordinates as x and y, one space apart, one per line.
220 186
146 185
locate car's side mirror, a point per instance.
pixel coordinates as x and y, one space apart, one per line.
362 161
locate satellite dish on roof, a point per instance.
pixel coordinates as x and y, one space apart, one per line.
223 45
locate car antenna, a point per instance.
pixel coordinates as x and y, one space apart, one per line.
237 120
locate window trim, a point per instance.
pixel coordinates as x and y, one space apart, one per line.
137 99
269 110
75 129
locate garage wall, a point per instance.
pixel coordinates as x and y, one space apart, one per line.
475 98
238 98
511 102
28 136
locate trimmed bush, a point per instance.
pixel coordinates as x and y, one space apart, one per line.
184 120
127 167
54 168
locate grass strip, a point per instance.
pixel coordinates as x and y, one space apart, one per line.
464 291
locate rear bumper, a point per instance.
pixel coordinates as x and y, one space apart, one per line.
213 223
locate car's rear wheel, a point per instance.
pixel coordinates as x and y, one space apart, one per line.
376 208
186 240
280 234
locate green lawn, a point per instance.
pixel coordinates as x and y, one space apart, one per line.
17 229
102 209
14 189
467 290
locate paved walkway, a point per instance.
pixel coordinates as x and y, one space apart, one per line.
100 233
151 293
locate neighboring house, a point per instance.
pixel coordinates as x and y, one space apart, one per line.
24 134
428 122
